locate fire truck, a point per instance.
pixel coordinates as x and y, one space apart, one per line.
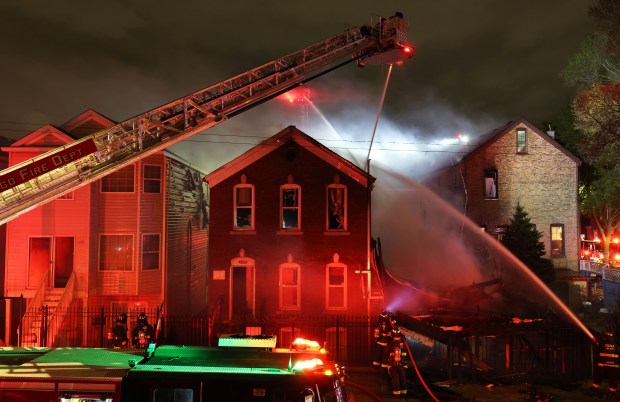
241 368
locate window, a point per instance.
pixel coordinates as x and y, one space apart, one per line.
336 207
290 289
557 239
490 184
120 181
521 141
152 179
244 207
150 251
115 252
336 278
66 196
290 206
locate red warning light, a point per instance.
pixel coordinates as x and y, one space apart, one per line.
407 50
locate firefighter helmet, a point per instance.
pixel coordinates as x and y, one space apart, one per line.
142 320
122 318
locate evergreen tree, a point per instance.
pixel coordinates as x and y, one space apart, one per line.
523 240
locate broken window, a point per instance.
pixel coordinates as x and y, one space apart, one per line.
490 184
336 207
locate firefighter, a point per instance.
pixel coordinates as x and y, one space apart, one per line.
142 332
607 360
381 337
398 362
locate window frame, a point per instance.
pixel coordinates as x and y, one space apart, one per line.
562 240
282 286
143 252
100 252
329 287
146 179
251 207
521 143
107 186
328 209
490 174
283 208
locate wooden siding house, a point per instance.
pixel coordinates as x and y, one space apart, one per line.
518 163
289 232
125 243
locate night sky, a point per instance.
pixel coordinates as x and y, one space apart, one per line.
478 64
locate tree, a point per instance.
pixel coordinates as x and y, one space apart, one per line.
523 240
595 70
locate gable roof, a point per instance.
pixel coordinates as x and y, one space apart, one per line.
86 123
43 137
499 132
291 133
49 136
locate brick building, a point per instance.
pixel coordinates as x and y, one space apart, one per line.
518 163
124 243
289 231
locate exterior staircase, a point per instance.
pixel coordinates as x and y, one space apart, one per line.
50 305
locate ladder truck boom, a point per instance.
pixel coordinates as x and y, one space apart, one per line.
29 184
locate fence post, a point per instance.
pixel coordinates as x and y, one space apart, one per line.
338 338
44 325
102 326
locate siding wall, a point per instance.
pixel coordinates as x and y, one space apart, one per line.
313 249
187 239
55 218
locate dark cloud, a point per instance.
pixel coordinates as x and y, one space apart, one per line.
478 63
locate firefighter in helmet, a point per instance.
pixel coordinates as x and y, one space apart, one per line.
143 332
381 337
607 361
398 362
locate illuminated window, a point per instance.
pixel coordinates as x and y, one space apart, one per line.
115 252
120 181
557 239
152 179
244 206
150 251
336 282
521 141
290 206
336 207
490 184
290 289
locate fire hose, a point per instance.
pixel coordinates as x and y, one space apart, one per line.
417 371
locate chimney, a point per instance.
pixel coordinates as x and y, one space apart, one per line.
550 132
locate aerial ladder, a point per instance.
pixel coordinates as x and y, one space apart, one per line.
29 184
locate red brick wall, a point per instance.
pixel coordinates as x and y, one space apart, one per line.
313 249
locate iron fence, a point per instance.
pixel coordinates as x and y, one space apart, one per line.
561 351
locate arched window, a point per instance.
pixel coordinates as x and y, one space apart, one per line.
290 285
243 196
290 205
336 207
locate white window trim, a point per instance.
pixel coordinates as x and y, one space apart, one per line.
282 286
346 209
282 207
252 207
328 286
150 252
119 192
133 247
144 178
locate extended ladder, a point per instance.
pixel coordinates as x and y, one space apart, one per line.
29 184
